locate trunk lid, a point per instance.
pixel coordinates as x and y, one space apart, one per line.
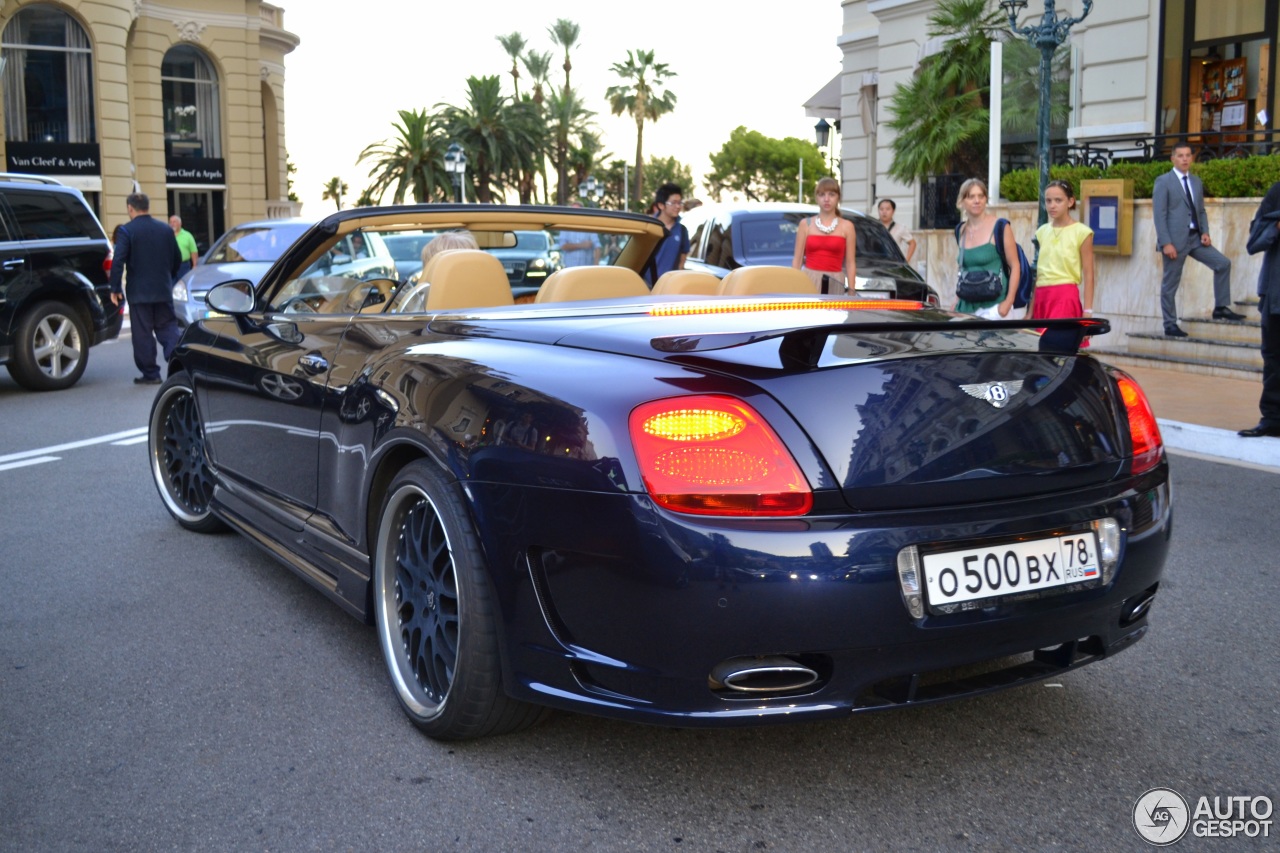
908 408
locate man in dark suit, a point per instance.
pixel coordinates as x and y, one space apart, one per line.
146 252
1264 236
1182 229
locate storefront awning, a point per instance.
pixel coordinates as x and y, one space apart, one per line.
826 101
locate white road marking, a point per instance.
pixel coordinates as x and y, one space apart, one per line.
128 441
73 445
25 462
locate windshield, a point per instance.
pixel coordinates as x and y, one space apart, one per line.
255 243
766 239
533 241
407 247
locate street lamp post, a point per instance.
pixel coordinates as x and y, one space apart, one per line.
455 163
1047 35
591 190
822 135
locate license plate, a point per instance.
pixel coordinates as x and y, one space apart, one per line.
1013 568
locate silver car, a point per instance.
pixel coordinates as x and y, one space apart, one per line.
248 251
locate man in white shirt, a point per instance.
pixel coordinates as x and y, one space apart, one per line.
578 248
899 232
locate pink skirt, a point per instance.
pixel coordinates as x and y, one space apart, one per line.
1054 301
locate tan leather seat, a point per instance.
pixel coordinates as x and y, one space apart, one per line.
466 278
754 281
573 284
690 282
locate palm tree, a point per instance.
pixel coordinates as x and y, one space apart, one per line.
539 66
644 97
564 33
586 156
527 122
498 135
412 163
941 115
335 190
1020 108
513 44
568 120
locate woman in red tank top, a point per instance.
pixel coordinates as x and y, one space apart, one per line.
826 244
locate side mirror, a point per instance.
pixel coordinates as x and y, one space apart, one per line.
232 297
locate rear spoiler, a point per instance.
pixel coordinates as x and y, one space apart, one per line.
802 346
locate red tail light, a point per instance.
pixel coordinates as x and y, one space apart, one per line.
106 264
714 455
1148 446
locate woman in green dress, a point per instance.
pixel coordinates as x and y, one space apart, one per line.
978 247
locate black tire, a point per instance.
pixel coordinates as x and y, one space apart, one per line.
179 464
51 348
434 612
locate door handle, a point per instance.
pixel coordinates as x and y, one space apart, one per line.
12 263
313 363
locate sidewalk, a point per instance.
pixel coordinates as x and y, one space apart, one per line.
1199 415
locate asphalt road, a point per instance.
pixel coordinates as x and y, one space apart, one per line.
161 690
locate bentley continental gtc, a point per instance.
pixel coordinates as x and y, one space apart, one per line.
715 502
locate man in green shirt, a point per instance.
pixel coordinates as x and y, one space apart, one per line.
186 245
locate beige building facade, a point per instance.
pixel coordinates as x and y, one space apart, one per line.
181 100
1139 69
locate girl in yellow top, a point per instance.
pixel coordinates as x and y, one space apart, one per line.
1066 259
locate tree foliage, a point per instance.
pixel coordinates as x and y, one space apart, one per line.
661 170
564 34
499 135
538 65
513 44
1020 106
334 190
761 168
568 121
940 116
643 96
411 163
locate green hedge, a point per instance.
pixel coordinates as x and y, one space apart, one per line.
1246 177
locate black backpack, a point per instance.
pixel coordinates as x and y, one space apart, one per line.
1027 277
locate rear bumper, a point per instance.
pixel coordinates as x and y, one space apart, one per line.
111 328
631 620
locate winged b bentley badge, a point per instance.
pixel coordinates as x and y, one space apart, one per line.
995 393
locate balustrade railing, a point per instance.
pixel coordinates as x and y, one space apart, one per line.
1141 149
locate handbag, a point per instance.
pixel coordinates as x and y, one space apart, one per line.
977 285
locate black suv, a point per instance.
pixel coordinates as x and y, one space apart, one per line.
55 297
724 237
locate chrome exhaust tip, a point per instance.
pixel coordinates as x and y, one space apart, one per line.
1139 609
762 675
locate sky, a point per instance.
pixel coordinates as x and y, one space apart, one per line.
748 63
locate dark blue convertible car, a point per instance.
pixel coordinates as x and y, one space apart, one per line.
719 502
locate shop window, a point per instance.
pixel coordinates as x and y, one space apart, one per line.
192 118
48 87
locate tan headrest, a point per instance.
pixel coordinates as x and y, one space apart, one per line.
694 282
750 281
466 278
573 284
